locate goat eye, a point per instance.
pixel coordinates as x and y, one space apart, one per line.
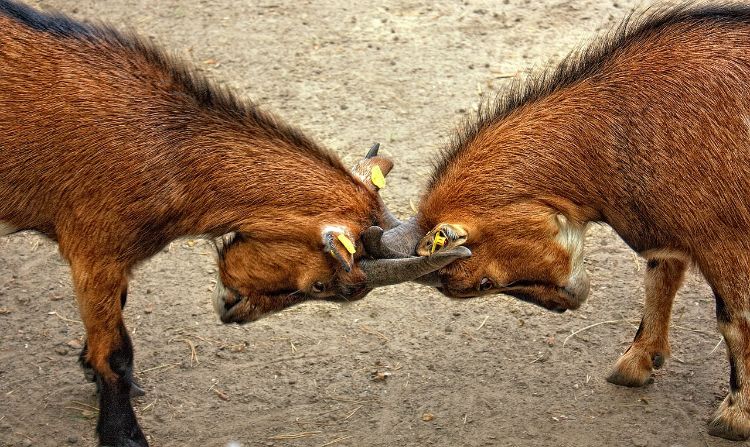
318 287
485 284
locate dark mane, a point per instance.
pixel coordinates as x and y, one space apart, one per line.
54 23
580 65
206 94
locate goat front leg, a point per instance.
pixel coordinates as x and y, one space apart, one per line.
732 419
650 348
88 371
109 351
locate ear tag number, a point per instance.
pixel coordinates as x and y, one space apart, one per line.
347 243
377 177
438 242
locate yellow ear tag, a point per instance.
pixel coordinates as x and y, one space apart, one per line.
347 243
438 241
377 177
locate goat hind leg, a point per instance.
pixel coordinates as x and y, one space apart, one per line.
650 347
732 419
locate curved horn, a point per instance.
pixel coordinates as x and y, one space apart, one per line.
399 241
363 170
373 151
372 239
373 169
387 219
385 272
404 238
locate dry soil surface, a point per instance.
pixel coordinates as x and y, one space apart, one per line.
405 366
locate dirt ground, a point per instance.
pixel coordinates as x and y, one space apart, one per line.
405 366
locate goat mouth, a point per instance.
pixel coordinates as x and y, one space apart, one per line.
230 298
247 309
529 298
230 314
234 307
228 307
547 295
352 293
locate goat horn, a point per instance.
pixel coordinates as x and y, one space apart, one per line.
387 220
363 170
373 152
385 272
399 241
372 239
393 251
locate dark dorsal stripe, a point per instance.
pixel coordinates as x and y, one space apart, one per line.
582 65
57 24
205 94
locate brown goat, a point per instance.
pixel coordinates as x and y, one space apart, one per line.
649 132
113 150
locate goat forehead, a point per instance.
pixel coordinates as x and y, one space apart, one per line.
6 228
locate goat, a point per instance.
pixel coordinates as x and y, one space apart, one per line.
647 131
113 150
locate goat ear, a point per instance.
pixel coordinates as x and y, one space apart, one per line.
443 236
338 244
372 169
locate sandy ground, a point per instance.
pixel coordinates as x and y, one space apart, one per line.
404 367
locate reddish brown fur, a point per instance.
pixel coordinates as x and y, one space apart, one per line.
650 134
113 150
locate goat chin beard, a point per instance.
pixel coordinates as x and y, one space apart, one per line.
571 237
